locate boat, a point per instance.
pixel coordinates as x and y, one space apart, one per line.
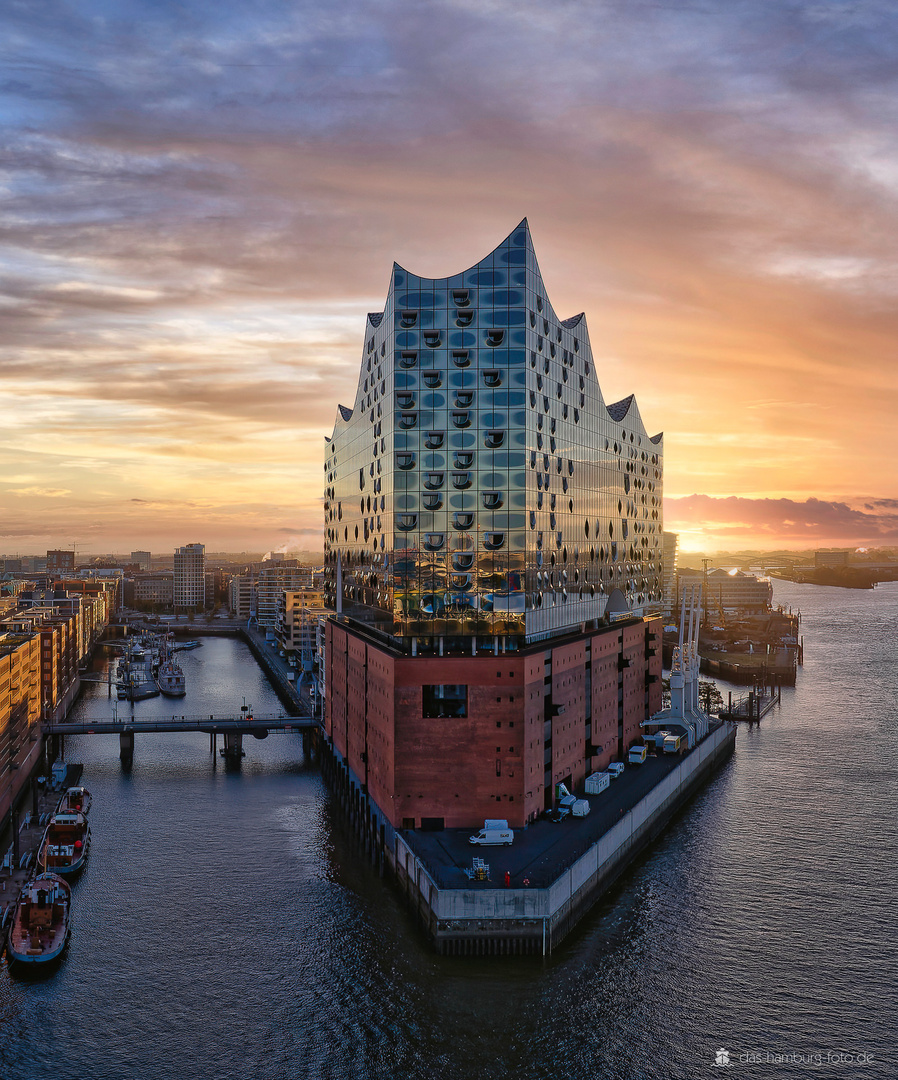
65 844
168 673
40 925
135 680
170 679
184 645
75 801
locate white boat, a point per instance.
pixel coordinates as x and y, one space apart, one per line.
171 679
169 675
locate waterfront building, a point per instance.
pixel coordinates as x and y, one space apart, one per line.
189 587
493 553
154 590
20 713
242 595
274 577
296 628
831 560
727 591
44 643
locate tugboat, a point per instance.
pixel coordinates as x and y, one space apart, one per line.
40 925
65 844
75 801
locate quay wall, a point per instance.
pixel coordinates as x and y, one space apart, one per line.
286 691
526 920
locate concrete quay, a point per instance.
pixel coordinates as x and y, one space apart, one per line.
557 871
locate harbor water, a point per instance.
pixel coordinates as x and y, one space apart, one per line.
227 926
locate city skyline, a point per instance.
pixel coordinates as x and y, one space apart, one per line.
202 208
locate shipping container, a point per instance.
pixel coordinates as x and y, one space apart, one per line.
597 783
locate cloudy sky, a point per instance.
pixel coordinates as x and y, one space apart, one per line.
200 202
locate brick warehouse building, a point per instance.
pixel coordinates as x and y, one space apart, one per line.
493 557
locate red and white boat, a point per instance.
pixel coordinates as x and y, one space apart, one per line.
40 925
65 844
75 801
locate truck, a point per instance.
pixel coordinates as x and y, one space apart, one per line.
672 744
580 808
637 755
597 783
494 831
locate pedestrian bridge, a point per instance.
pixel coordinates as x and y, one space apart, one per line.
212 725
231 728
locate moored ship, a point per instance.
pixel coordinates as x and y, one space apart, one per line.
169 674
65 844
76 800
40 925
171 680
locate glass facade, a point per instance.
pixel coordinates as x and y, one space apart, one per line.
480 486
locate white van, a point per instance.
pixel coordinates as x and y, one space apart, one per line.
493 836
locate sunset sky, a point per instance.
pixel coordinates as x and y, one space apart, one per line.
202 201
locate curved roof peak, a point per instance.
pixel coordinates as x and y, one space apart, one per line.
619 409
524 241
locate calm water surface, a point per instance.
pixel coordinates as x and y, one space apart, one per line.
226 926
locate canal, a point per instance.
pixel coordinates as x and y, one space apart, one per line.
227 927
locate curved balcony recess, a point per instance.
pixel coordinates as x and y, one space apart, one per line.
462 560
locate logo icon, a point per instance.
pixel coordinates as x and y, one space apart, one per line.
722 1058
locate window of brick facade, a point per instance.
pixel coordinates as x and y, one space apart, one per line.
444 701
